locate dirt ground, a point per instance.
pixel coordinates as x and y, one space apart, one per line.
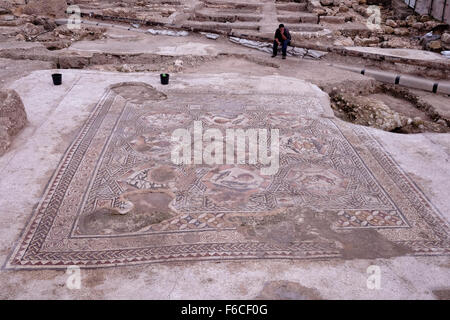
12 70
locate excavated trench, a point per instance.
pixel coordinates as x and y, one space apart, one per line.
381 106
387 107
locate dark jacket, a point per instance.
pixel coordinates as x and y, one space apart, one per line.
286 34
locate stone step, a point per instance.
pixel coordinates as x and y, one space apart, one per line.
332 19
225 17
305 27
352 29
299 17
218 26
232 4
292 6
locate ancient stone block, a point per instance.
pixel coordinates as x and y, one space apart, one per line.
73 61
435 45
391 23
418 25
326 2
332 19
446 38
388 29
12 117
366 41
5 6
346 42
401 31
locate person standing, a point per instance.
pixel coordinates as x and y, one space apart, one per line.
282 38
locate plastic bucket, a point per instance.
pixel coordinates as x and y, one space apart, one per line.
165 78
57 79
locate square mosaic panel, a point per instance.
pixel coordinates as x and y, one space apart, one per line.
117 199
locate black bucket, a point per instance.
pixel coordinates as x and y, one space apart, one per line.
57 79
165 78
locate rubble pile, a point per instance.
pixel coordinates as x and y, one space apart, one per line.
445 41
57 37
62 37
359 106
390 31
341 10
369 112
156 11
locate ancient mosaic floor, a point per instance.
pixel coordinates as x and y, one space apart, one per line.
117 199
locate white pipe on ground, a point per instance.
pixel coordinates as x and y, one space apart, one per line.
402 80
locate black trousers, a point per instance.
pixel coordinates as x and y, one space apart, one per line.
285 44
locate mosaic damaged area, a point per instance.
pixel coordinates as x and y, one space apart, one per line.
117 198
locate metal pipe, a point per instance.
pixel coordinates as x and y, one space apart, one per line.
401 80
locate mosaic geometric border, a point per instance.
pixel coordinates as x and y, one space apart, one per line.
32 253
418 200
